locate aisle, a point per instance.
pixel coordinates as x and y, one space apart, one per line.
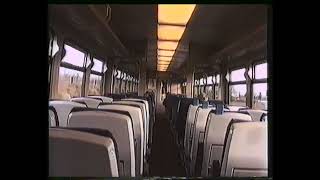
164 156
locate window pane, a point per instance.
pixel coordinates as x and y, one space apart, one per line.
237 94
196 82
210 92
218 78
238 75
70 82
97 65
73 56
195 89
119 74
95 85
261 71
209 80
201 81
260 98
201 92
218 89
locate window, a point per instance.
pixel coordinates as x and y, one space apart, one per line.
71 73
238 75
196 88
260 100
73 56
96 75
70 82
123 83
237 94
117 81
217 87
261 71
237 88
260 87
209 91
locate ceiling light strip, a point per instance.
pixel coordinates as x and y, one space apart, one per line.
172 21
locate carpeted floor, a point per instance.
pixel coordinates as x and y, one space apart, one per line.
164 154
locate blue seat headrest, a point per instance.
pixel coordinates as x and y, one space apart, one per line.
205 104
195 102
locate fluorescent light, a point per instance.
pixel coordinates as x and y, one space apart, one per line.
164 58
159 63
175 13
165 53
167 45
168 32
172 21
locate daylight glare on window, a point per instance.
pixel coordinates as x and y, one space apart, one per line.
97 65
261 71
209 80
73 56
238 75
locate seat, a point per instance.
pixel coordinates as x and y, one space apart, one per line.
236 108
197 133
144 115
246 150
53 117
257 115
102 98
181 120
116 96
119 124
175 110
90 102
73 153
147 113
140 100
214 141
192 114
63 108
137 121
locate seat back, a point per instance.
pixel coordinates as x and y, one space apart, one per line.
182 117
257 115
136 116
74 153
245 153
144 116
102 98
192 115
236 108
53 117
198 134
143 101
216 128
63 109
121 127
90 102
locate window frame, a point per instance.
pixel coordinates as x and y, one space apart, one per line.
74 67
232 83
101 74
257 81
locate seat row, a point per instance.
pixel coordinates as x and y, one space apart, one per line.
99 136
218 140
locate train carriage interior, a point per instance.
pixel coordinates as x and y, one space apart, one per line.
158 90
